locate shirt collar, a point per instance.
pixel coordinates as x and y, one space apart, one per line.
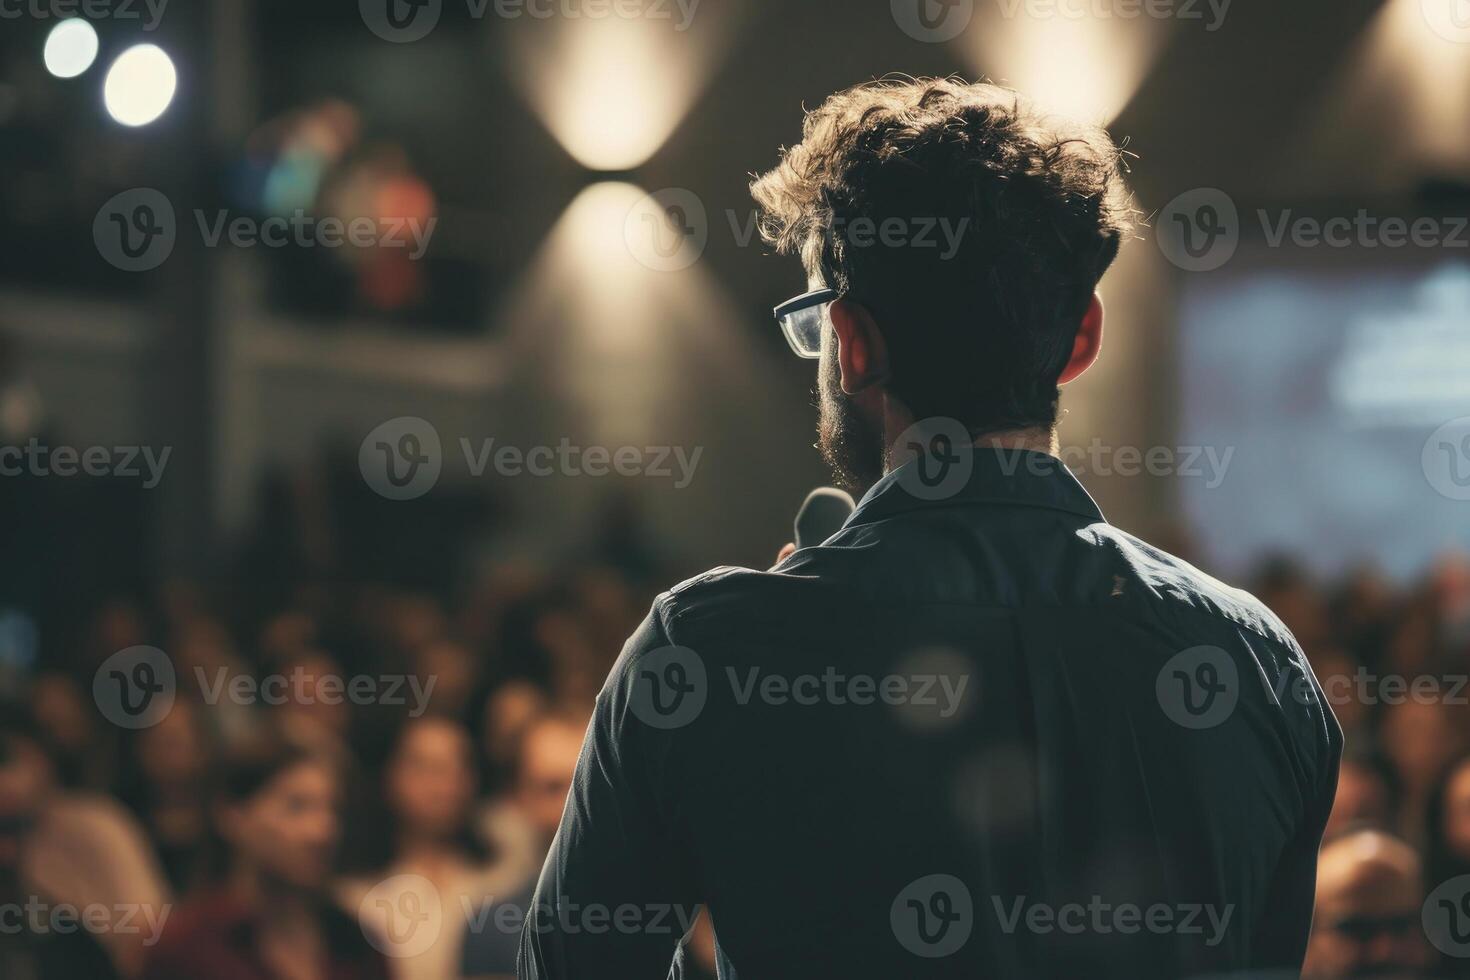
970 475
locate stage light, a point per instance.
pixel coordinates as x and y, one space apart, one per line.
1417 52
612 90
71 47
140 85
1086 69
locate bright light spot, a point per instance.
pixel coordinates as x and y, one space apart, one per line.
140 85
612 90
71 47
1084 69
1412 53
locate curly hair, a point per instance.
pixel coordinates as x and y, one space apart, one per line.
1034 207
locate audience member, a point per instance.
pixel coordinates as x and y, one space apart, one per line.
266 913
1370 891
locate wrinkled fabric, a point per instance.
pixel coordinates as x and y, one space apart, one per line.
985 735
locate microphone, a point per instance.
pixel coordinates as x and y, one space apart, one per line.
822 514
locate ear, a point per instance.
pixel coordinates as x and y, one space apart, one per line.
862 353
1089 341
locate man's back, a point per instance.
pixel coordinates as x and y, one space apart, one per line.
981 735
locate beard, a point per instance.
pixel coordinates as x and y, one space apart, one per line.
851 445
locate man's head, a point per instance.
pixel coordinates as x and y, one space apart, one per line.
966 232
1369 898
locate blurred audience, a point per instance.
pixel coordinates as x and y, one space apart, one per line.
264 913
457 752
1370 891
523 824
32 945
427 845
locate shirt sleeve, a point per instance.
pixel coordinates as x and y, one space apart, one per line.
615 897
1286 921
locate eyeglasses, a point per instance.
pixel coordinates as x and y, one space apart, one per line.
801 320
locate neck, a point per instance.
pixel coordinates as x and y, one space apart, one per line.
427 850
897 420
269 899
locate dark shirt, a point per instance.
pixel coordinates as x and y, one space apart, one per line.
215 937
979 732
29 953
